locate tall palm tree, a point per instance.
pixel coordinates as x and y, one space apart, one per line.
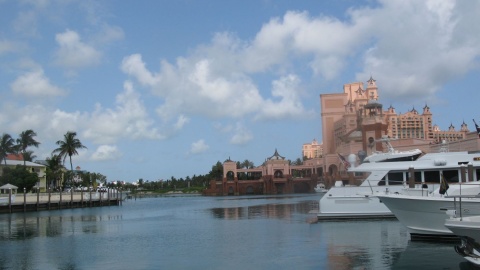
26 140
29 156
54 169
68 147
247 164
7 146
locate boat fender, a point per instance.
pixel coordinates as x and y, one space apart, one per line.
451 213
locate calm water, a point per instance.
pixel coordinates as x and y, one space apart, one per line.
195 232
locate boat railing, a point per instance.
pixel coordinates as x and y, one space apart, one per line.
459 197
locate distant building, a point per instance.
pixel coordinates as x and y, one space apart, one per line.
312 150
275 176
40 169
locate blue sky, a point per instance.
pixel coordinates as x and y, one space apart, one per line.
157 89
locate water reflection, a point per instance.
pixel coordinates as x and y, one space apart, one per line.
274 211
28 226
426 255
213 233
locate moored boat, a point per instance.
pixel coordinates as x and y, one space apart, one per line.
468 229
351 201
320 188
424 215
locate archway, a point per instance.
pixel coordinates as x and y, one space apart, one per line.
230 176
278 174
332 170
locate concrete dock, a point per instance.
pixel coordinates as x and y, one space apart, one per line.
56 200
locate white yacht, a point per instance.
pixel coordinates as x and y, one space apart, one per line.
468 228
392 154
387 173
320 188
424 215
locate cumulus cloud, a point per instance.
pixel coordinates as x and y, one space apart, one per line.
198 147
73 53
106 152
241 135
194 87
34 84
289 105
129 119
134 65
415 61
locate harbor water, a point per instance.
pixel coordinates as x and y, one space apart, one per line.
197 232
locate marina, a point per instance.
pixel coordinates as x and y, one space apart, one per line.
229 232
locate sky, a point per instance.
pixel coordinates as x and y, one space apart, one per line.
161 89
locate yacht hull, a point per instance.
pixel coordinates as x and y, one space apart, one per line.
425 217
355 202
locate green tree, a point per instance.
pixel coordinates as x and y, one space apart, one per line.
7 146
247 164
217 171
29 156
54 169
26 140
68 147
20 177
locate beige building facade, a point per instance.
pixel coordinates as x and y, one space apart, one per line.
312 150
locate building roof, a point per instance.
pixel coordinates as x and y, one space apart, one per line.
276 156
20 162
8 186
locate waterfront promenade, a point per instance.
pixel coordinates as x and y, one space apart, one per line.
61 200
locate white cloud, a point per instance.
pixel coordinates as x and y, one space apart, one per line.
128 120
106 152
134 65
413 61
193 87
35 84
73 53
198 147
181 121
241 135
286 89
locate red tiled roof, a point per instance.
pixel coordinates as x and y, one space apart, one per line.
15 157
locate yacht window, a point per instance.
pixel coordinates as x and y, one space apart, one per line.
451 176
432 176
395 178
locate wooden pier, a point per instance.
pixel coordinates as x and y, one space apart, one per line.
61 200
